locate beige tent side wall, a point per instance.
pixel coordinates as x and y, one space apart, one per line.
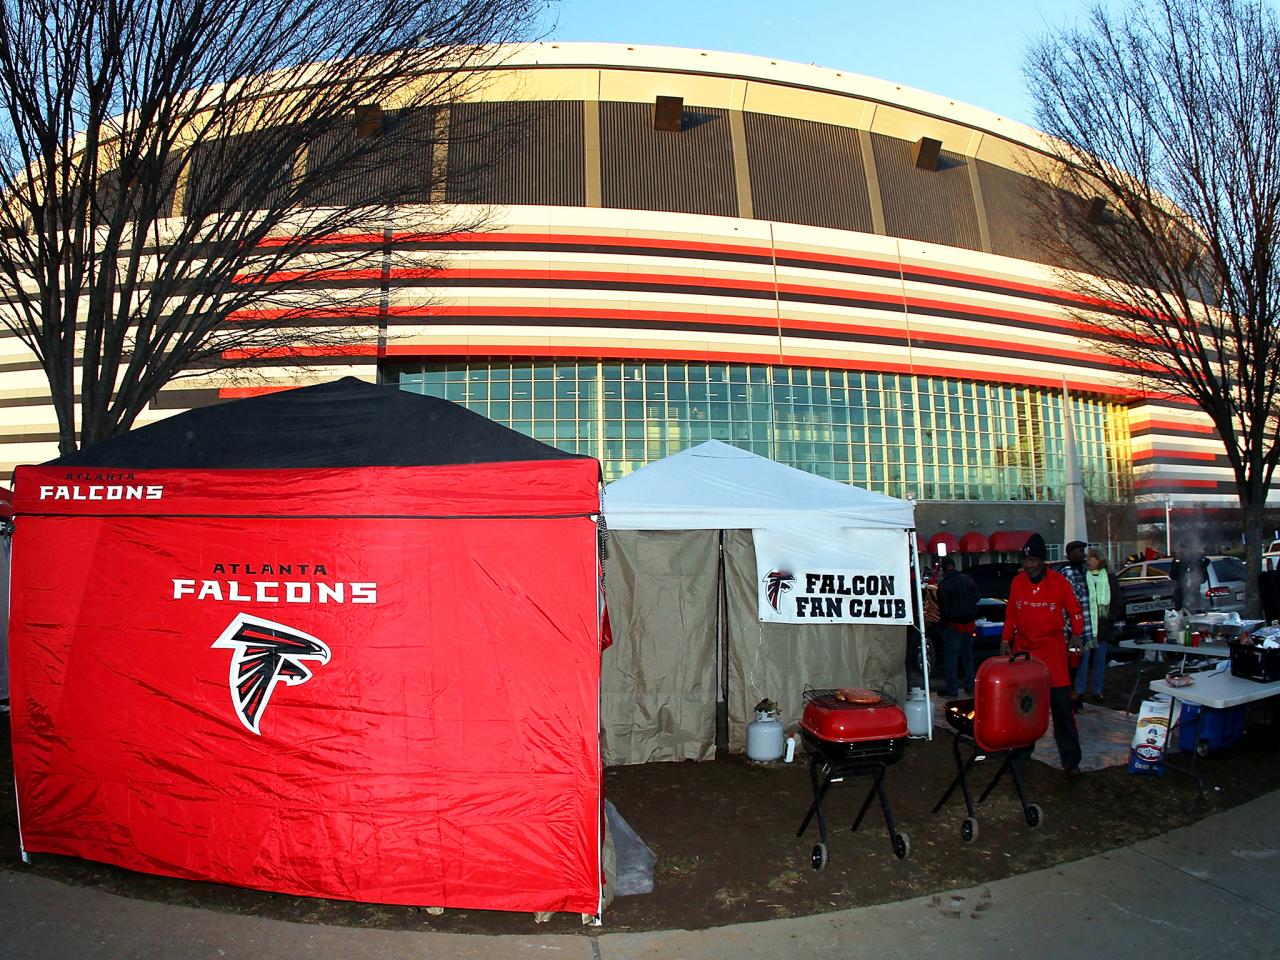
776 660
657 682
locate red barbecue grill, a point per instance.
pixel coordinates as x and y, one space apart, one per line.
850 732
1008 713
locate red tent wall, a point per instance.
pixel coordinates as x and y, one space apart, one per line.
423 673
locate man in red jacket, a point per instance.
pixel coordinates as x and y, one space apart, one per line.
1041 604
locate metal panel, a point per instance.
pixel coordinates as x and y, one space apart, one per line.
1028 219
935 206
1011 199
807 172
690 171
239 172
528 152
394 167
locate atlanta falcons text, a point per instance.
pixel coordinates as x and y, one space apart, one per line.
219 589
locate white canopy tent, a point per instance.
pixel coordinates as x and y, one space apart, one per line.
691 624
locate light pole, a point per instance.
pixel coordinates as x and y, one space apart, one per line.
1168 532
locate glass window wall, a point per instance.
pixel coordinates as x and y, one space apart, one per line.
896 434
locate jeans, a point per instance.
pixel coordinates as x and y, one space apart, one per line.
1065 734
1097 658
957 656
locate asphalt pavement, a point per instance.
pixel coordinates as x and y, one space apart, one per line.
1208 890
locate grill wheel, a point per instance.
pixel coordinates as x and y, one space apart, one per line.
819 856
901 846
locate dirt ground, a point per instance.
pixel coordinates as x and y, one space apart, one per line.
724 836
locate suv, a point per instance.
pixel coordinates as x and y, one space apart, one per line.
1222 584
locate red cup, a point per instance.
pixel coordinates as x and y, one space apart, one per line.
1161 636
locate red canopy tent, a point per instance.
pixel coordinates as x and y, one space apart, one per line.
974 542
372 674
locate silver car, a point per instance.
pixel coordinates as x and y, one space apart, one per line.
1222 583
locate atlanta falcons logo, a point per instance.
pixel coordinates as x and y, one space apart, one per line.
264 654
777 582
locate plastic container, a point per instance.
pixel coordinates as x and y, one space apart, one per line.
765 739
1011 702
919 712
1214 729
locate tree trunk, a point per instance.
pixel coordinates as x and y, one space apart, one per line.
1253 501
62 396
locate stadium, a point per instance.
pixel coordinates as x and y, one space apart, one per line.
830 270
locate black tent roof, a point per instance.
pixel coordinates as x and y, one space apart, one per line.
346 423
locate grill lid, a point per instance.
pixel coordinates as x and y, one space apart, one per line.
834 719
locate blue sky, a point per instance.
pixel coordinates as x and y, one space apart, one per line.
970 51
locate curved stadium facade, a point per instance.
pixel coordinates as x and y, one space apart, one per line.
791 270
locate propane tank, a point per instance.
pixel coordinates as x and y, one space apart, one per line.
765 734
919 712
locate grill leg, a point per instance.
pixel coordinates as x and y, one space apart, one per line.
1007 765
1017 782
961 780
819 791
876 786
888 810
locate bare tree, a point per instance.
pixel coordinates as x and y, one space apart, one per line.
1167 121
182 176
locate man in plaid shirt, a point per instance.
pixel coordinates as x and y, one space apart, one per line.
1076 573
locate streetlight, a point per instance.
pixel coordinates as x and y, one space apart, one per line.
1168 533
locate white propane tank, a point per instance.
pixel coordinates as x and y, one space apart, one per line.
764 737
919 712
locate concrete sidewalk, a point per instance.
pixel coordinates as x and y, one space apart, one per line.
1212 889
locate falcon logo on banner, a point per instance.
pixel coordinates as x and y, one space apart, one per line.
840 575
776 583
265 653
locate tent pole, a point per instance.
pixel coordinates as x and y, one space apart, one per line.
722 659
6 543
924 641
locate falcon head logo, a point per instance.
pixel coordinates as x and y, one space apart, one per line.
776 583
263 654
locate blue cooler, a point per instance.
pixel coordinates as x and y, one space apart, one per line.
1216 729
989 631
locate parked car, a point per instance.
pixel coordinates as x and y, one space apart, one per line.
1271 557
1216 583
993 579
1148 592
1222 585
987 642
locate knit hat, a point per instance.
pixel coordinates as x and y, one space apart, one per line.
1076 544
1034 547
947 563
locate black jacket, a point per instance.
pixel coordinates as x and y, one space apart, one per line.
958 598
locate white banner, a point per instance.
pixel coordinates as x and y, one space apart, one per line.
839 575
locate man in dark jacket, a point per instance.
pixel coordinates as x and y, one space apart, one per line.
1269 592
958 607
1041 605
